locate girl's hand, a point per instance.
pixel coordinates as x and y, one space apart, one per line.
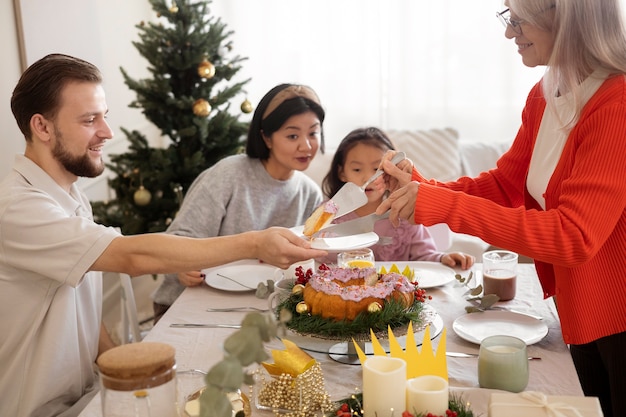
191 278
461 259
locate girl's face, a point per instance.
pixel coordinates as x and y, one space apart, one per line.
360 164
293 146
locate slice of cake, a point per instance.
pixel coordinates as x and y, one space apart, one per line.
322 216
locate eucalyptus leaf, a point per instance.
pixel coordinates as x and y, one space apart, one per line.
227 374
469 277
246 345
473 309
476 290
488 300
263 323
262 291
215 403
248 379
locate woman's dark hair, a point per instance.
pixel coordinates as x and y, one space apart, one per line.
369 136
298 104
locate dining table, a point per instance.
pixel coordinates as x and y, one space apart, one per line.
200 348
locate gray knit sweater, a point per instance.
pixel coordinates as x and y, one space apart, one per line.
237 195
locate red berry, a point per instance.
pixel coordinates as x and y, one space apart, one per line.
345 407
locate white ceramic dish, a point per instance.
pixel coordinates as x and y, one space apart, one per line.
341 244
247 276
427 274
475 327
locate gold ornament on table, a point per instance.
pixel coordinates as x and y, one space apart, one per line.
302 308
201 107
374 307
246 106
174 9
206 69
296 386
142 196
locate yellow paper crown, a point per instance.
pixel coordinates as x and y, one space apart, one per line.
407 272
292 360
418 363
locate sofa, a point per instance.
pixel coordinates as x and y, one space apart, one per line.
440 154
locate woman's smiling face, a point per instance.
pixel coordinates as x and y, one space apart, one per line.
534 44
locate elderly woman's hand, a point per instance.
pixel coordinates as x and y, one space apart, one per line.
396 176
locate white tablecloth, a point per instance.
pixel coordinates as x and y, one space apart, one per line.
200 348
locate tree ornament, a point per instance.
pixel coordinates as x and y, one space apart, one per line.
297 289
374 307
174 9
302 308
201 107
142 196
246 106
206 69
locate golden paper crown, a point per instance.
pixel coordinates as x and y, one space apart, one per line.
418 363
407 272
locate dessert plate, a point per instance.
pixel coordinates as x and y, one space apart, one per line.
340 243
240 276
427 274
474 327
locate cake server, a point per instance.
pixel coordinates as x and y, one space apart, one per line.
206 325
363 224
350 197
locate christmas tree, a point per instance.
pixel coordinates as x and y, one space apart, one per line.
188 98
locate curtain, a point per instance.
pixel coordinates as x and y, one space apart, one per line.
395 64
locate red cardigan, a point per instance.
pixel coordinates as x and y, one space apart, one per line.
579 241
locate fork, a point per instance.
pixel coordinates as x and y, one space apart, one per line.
236 282
229 309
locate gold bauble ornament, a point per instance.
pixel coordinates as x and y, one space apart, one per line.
201 107
246 106
302 308
374 307
297 289
142 196
206 69
174 9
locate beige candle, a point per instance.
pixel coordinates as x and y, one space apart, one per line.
384 380
427 394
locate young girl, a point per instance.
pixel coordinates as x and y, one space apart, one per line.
357 158
253 191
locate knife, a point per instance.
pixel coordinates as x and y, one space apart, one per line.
363 224
205 325
350 197
475 355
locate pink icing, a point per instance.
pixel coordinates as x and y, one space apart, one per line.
325 282
331 207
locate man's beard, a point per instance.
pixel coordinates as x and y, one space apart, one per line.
81 166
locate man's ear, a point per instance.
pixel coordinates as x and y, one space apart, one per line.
40 127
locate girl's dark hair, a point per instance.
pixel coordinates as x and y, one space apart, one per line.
255 145
369 136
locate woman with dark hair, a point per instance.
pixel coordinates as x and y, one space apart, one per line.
263 188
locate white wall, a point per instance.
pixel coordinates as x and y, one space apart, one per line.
99 31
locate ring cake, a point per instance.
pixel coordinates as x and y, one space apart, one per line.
343 293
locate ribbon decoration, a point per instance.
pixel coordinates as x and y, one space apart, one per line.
538 399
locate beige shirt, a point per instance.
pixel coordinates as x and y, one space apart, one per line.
50 306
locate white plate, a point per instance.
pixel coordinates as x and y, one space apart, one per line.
474 327
341 244
249 274
427 274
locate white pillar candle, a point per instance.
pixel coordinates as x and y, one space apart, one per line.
427 394
384 391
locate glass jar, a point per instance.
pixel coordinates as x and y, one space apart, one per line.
137 380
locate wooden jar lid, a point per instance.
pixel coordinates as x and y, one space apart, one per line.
137 365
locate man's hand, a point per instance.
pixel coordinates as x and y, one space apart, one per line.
281 247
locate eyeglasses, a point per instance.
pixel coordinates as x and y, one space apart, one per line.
515 24
507 21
